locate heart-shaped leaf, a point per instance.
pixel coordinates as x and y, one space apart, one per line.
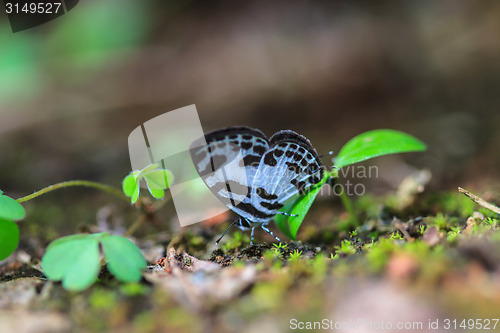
74 260
10 209
377 143
131 186
125 261
9 238
157 180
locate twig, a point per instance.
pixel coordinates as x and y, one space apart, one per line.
480 201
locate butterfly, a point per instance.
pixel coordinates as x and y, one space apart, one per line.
255 176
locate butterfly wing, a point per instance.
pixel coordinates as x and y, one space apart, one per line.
290 167
227 160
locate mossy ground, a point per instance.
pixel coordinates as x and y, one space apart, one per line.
438 259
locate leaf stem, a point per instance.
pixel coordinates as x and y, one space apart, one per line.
346 201
134 226
87 183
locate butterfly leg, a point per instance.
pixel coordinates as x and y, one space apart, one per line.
286 214
264 226
251 235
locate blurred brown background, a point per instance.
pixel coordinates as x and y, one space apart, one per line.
74 88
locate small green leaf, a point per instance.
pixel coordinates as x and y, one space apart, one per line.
130 186
10 209
9 238
74 260
377 143
74 237
158 181
125 260
289 225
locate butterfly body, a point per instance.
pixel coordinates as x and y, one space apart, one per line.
255 176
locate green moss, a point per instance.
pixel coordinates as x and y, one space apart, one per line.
101 299
237 241
134 289
346 248
295 256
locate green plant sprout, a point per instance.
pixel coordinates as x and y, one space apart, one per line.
157 181
76 259
490 222
453 234
396 236
279 249
345 248
280 246
361 148
295 255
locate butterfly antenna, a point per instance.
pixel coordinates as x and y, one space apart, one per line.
286 214
329 153
217 242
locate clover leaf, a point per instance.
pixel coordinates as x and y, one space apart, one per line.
157 180
76 259
125 260
131 187
9 237
10 210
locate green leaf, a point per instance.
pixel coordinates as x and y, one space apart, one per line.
10 209
377 143
289 225
125 260
9 238
74 260
76 237
157 180
130 186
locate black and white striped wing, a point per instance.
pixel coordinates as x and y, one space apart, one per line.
290 167
227 161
